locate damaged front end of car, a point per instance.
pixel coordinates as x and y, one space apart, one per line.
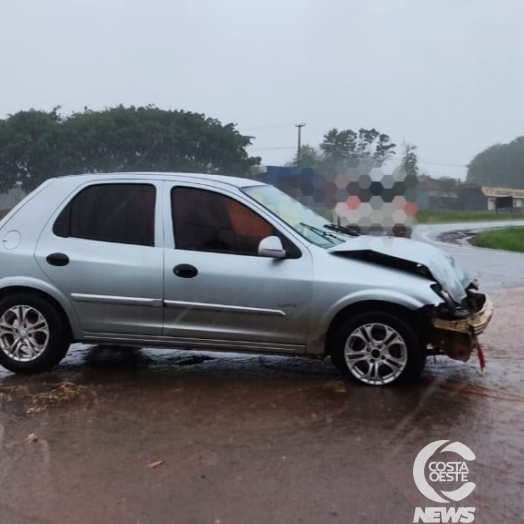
454 329
451 326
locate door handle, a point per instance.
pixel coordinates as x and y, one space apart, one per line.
57 259
185 271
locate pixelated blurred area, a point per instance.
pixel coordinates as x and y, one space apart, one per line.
364 198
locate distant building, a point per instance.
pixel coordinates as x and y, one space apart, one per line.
486 198
434 193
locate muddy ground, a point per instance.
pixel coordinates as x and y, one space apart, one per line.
167 437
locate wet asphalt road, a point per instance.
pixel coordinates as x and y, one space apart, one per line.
494 269
247 439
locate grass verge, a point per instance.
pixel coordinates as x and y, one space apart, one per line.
508 238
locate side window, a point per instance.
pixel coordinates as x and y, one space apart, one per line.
119 213
208 221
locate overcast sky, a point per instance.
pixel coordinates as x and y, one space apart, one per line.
446 75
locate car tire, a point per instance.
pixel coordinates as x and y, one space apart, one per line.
33 335
378 349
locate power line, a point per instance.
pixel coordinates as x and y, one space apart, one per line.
319 128
299 126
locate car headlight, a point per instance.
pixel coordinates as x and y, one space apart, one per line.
444 295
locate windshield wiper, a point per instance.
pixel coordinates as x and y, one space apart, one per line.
347 230
320 232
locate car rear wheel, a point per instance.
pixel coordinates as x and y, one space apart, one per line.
378 349
33 337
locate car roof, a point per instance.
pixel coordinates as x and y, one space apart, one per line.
194 177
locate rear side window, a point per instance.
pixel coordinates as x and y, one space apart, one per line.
119 213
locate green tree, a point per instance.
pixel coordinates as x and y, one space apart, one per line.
35 145
499 165
410 160
366 145
29 148
309 157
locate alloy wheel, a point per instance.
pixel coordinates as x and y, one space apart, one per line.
24 333
376 354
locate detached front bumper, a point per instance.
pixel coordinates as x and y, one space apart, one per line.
458 338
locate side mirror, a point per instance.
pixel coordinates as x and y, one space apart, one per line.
271 247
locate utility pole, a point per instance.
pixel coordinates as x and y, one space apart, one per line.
299 126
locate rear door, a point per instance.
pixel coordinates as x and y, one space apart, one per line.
104 251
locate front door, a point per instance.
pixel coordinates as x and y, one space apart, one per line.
218 291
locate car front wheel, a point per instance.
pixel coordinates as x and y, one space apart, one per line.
378 349
33 337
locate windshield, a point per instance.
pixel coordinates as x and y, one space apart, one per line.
302 219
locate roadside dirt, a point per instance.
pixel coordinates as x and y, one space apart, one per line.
461 238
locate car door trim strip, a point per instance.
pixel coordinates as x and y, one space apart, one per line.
109 299
224 307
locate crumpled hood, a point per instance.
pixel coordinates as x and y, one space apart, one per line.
412 256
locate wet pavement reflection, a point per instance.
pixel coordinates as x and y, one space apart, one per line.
247 439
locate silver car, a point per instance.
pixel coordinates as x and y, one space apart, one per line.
220 263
